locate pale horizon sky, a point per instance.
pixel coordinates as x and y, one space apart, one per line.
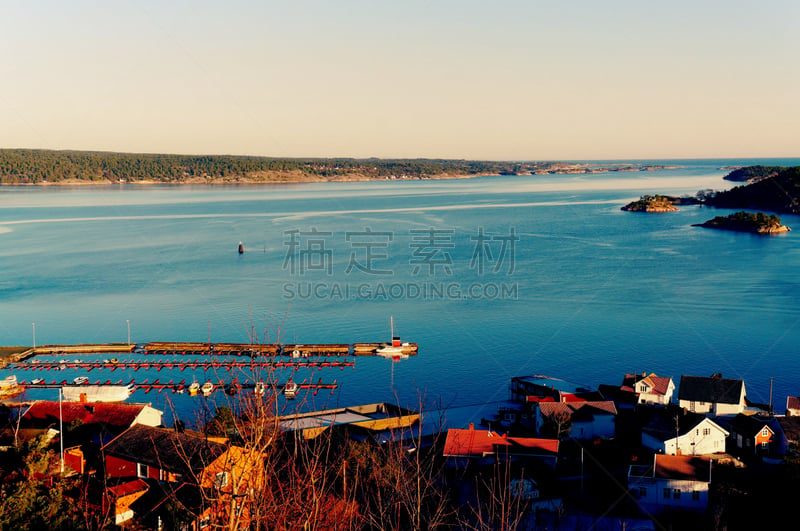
504 80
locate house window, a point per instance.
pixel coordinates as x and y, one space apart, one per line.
141 470
695 495
667 492
706 431
205 522
691 406
765 432
764 445
676 494
642 492
221 480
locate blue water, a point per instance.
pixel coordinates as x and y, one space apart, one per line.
588 293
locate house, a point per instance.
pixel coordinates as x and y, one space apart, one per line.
679 432
578 420
539 387
650 388
750 436
188 461
673 481
122 496
793 406
96 422
713 395
463 446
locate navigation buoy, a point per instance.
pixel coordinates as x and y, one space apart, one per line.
241 248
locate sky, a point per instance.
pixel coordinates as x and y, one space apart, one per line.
499 80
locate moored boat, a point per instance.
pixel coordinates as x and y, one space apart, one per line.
194 388
259 388
207 388
10 387
290 389
395 349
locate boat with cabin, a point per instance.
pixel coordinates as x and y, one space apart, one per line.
395 349
207 388
290 389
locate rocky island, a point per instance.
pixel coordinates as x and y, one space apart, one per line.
659 203
758 223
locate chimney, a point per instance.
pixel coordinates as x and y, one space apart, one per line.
471 426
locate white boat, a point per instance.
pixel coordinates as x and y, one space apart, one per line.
395 348
96 393
80 380
37 381
207 388
290 389
259 388
9 387
194 388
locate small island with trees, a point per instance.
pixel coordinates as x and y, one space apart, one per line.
659 203
756 223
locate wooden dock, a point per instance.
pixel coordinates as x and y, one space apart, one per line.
178 348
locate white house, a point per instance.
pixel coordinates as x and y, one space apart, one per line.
650 389
683 433
713 395
673 481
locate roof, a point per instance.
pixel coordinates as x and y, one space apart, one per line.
659 385
662 425
46 413
747 425
130 487
165 448
579 410
472 442
710 389
549 382
684 467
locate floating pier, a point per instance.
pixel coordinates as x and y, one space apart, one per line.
182 386
227 365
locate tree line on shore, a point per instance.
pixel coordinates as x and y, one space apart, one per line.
31 166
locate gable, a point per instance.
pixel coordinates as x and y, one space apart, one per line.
710 389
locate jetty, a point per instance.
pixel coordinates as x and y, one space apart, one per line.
178 348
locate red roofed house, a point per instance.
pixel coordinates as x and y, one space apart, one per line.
650 389
463 446
100 421
578 420
673 481
122 496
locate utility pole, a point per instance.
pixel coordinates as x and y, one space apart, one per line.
34 334
770 395
129 331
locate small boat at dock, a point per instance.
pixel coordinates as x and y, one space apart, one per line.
207 388
395 349
290 389
194 388
259 388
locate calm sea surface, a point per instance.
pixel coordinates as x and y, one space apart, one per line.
493 277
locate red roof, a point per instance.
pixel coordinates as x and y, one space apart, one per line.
471 442
570 408
682 467
131 487
44 413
